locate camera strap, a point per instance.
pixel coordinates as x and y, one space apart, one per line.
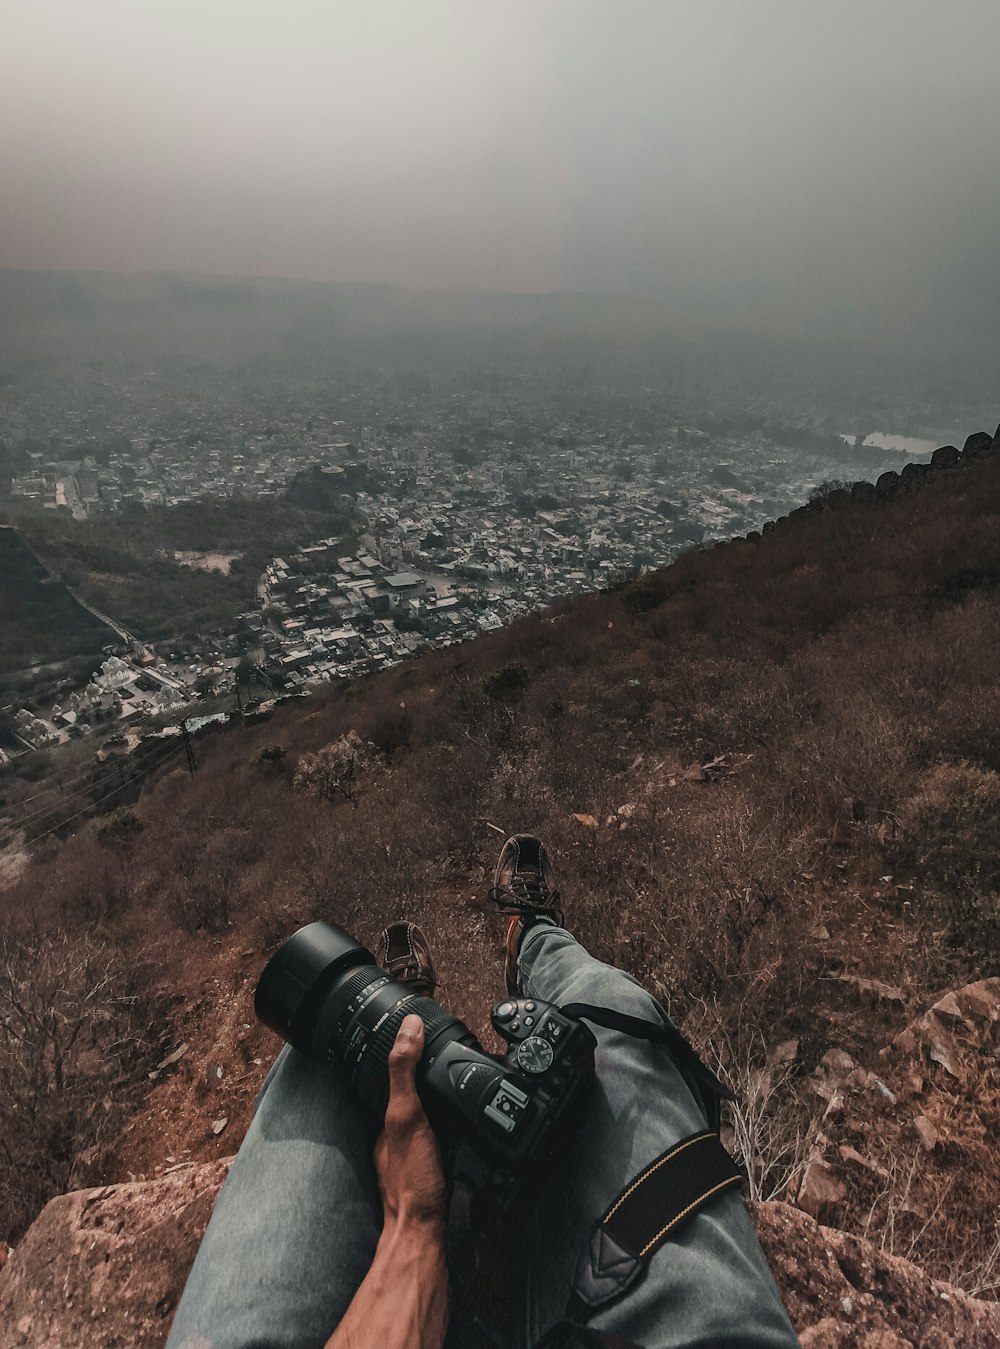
669 1191
673 1188
712 1091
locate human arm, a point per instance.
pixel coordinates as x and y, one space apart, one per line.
403 1300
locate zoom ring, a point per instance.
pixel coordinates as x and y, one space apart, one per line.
372 1079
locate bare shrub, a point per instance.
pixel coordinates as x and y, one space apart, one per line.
86 885
391 730
335 770
642 593
204 890
895 1223
821 494
79 1029
120 828
768 1123
508 683
272 760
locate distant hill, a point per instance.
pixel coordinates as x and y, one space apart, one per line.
69 316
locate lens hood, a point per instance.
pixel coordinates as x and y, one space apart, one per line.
297 976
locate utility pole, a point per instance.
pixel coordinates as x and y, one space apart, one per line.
189 751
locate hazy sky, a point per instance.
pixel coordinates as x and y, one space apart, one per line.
778 159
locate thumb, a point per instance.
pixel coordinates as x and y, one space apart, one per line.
403 1059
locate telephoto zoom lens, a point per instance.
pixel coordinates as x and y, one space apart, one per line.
324 994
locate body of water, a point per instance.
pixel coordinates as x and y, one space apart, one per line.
911 445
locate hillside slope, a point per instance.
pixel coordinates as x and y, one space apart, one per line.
770 779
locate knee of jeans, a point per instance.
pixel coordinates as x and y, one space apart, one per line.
617 991
613 989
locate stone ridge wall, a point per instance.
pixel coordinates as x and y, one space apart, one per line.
978 448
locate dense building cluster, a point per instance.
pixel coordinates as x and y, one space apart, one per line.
473 500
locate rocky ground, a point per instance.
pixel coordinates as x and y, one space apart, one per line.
118 1257
770 781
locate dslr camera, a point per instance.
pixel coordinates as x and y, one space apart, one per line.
498 1118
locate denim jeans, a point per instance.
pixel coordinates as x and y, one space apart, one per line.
296 1224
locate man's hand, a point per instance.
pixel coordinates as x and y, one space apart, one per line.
403 1302
407 1156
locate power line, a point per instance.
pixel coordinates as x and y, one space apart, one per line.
8 851
105 771
105 776
92 804
73 777
148 761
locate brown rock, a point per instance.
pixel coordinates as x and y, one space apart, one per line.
785 1052
928 1134
819 1189
946 1009
837 1062
832 1334
961 1024
940 1049
841 1291
849 1154
860 1079
980 1003
877 991
118 1256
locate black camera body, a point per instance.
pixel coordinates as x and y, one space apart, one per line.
499 1119
510 1107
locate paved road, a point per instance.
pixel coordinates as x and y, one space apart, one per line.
123 633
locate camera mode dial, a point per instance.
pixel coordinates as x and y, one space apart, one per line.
534 1055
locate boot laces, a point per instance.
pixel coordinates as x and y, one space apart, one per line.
526 893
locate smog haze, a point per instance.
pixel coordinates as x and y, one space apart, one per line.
823 168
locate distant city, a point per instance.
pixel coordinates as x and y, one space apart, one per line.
470 502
